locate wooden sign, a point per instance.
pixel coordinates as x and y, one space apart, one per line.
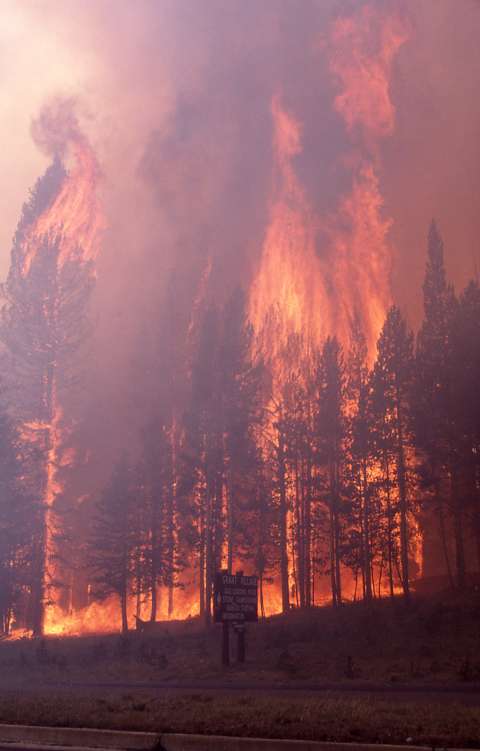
235 598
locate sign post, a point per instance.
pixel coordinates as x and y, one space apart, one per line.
235 603
225 644
241 642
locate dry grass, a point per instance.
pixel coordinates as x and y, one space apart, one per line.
328 718
433 641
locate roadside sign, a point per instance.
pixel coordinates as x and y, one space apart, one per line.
235 598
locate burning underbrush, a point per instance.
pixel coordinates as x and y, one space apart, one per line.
434 641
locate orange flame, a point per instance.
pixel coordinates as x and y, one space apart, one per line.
363 49
75 221
296 289
75 214
288 294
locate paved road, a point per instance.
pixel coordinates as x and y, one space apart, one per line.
464 693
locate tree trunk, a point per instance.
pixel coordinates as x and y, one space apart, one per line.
338 575
402 492
37 590
283 525
123 605
201 561
153 568
389 527
439 505
260 594
308 537
209 560
366 534
332 558
230 520
299 519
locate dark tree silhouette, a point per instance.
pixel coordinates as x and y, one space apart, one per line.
113 539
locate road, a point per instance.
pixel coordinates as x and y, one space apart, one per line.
464 693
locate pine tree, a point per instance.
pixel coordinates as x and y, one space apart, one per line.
113 541
434 395
464 372
360 459
43 325
161 522
203 458
241 392
331 434
17 524
392 387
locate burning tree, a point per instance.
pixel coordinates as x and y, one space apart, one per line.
43 326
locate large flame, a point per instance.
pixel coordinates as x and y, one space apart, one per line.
301 287
288 294
363 47
75 214
75 221
318 291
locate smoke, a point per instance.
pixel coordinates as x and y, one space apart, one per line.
56 126
181 93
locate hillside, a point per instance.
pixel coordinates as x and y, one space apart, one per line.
434 640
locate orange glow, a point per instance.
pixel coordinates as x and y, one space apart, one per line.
363 49
362 257
75 214
299 287
288 294
74 220
104 617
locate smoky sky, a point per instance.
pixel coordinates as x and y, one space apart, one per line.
175 97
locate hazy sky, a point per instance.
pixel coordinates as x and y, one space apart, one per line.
37 59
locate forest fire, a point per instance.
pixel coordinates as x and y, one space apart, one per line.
74 215
64 236
288 294
235 386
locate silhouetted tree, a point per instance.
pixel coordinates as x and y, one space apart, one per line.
392 386
42 327
113 539
331 434
18 520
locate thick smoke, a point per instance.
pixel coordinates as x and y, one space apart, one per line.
181 93
56 127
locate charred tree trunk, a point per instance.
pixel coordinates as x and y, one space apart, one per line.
123 606
338 575
260 595
283 513
299 528
308 537
201 558
333 581
37 588
230 520
389 527
209 558
154 560
367 558
403 505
